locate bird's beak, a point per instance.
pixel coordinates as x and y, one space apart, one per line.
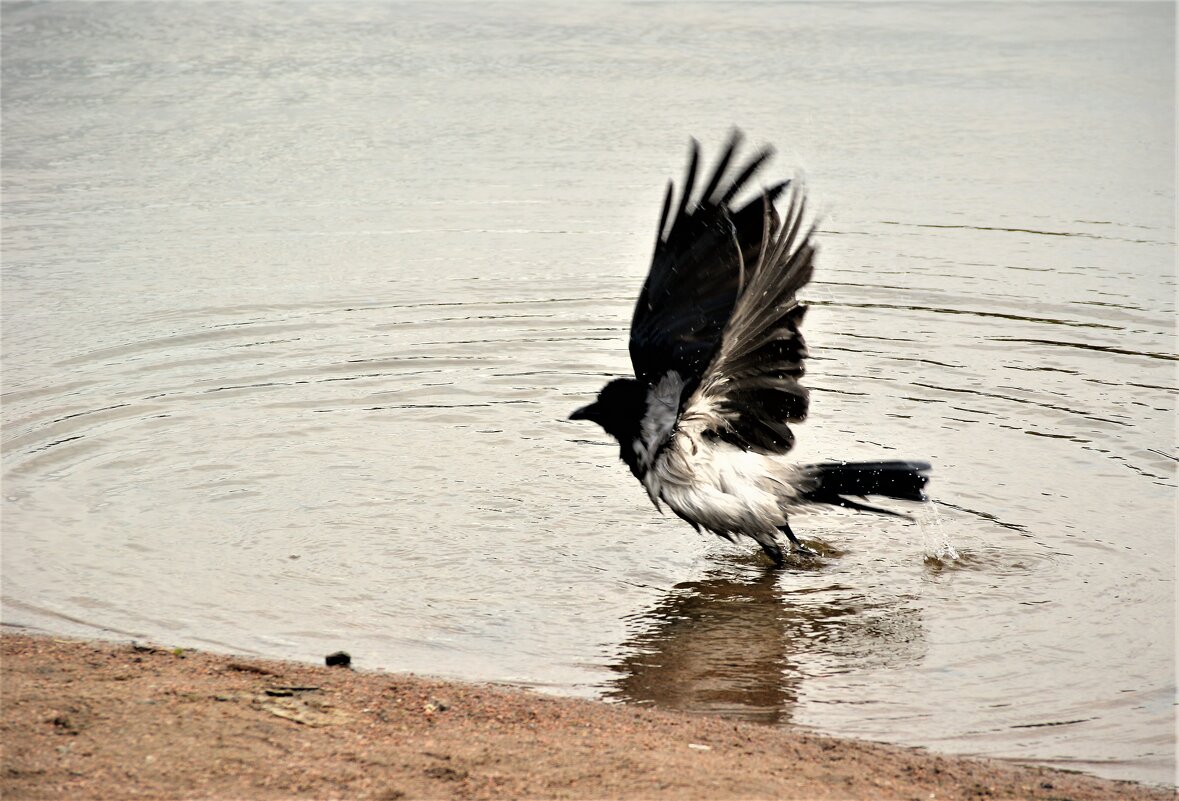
584 413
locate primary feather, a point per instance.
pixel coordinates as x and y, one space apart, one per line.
717 351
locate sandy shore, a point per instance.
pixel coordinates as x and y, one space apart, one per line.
89 720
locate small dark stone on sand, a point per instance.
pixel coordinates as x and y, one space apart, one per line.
338 659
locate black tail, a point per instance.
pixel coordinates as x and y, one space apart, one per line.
832 481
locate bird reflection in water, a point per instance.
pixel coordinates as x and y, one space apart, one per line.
740 642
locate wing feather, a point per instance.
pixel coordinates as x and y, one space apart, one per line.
697 268
750 390
709 194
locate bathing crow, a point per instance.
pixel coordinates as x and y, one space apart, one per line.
717 352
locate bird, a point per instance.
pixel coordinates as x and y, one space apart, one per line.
718 353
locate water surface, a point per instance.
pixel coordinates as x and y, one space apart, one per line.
296 300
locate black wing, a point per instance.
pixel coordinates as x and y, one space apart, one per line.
700 253
750 391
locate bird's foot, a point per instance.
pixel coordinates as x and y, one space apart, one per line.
798 545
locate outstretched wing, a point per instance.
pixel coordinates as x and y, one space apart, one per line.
750 390
696 271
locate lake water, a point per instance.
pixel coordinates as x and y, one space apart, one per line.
297 298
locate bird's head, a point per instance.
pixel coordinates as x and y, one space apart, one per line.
619 408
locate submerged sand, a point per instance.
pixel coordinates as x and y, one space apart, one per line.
98 720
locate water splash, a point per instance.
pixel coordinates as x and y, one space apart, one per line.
936 541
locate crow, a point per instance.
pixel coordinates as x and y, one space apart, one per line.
717 356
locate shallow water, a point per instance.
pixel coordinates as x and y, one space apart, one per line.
296 300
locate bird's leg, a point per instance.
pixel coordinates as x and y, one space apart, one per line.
769 544
774 552
799 547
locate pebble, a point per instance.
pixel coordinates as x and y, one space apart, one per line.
338 659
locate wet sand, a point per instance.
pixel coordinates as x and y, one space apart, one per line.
90 720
